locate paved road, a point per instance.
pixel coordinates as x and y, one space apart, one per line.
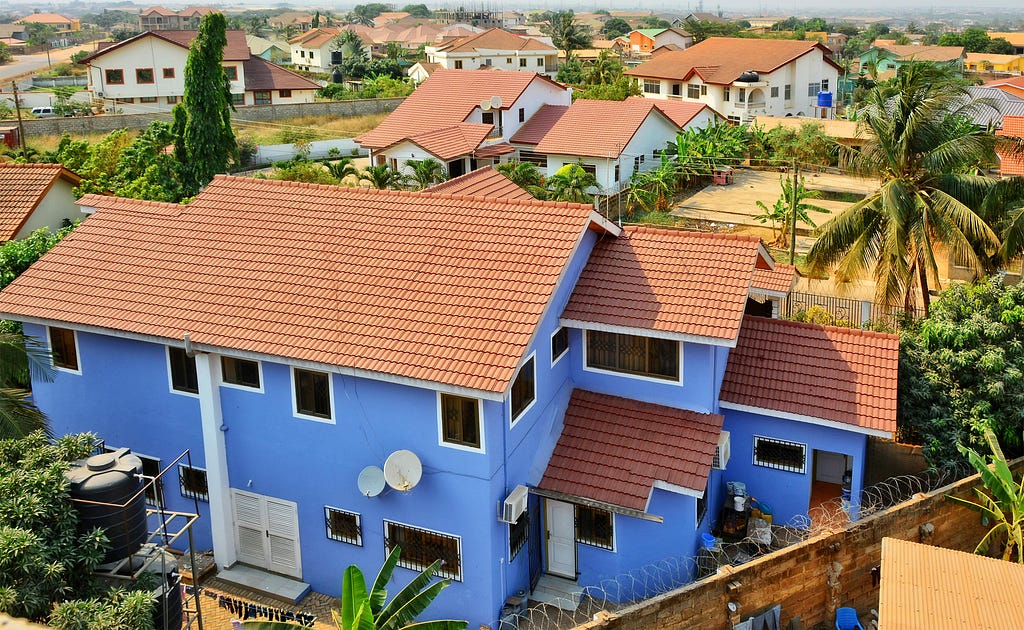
24 66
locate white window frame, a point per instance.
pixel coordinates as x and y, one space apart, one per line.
639 377
246 388
181 490
555 359
458 539
359 524
78 353
651 86
295 397
480 426
755 462
514 421
170 376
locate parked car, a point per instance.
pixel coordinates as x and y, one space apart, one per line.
42 112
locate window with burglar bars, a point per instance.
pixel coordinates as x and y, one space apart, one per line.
518 534
421 547
343 526
645 356
150 471
192 482
594 527
779 454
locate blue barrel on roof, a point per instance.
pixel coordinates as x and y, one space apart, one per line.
824 99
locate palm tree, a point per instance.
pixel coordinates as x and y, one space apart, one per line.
383 177
928 194
426 173
566 34
780 213
604 70
343 168
19 357
1003 506
526 175
650 189
570 183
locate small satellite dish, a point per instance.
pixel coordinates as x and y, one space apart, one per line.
485 104
371 481
495 102
402 470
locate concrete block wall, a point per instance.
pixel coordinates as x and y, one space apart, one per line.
259 113
811 579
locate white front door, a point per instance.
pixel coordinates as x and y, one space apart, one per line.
561 531
268 532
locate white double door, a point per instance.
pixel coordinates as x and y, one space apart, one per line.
267 532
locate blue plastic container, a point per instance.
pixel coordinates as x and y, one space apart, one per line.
824 99
708 541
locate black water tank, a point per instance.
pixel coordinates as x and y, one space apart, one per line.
749 77
167 610
106 492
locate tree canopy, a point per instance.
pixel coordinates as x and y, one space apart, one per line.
615 27
566 34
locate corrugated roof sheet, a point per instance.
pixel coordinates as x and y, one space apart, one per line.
22 188
483 182
721 60
924 587
423 286
613 449
675 281
843 375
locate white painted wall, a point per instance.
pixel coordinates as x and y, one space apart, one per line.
57 205
535 60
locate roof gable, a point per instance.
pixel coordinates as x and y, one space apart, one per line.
22 188
373 282
261 74
493 39
610 126
483 182
236 50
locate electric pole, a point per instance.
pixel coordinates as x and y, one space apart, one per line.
21 126
792 211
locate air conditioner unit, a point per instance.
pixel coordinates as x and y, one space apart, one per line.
514 505
721 459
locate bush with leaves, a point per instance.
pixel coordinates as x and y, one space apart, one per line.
962 371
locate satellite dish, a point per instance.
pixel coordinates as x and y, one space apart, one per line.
495 102
371 481
485 104
402 470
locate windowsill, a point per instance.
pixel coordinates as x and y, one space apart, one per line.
462 447
182 392
66 370
639 377
245 388
321 420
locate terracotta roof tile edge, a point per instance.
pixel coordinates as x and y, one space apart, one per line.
854 332
665 229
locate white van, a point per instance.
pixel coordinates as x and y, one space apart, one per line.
42 112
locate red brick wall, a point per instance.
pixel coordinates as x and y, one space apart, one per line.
798 577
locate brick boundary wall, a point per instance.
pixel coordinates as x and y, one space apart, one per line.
258 113
811 579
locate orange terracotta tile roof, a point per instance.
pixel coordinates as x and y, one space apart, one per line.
446 98
1011 163
776 281
925 587
450 142
407 284
494 150
483 182
721 60
22 188
610 126
679 112
47 18
926 53
613 449
534 130
237 48
158 11
261 74
316 37
1014 81
494 39
841 375
692 284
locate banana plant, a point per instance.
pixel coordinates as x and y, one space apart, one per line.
1002 506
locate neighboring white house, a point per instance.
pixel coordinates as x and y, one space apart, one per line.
621 137
317 51
147 73
743 78
462 118
34 196
495 48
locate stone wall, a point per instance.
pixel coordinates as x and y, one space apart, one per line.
810 579
259 113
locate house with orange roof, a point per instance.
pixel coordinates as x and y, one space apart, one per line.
997 64
319 50
1014 86
1011 162
644 41
742 78
60 23
158 18
523 390
146 73
299 20
34 196
495 48
462 118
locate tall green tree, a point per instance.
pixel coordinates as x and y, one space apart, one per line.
926 161
615 27
566 34
204 141
526 175
571 183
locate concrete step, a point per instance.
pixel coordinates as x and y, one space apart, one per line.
557 591
272 584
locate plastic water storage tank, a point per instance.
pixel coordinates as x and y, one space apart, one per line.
108 492
824 99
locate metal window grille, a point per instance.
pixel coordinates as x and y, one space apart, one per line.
646 356
779 454
192 482
594 527
343 526
518 534
421 547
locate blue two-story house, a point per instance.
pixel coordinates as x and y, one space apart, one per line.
564 396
